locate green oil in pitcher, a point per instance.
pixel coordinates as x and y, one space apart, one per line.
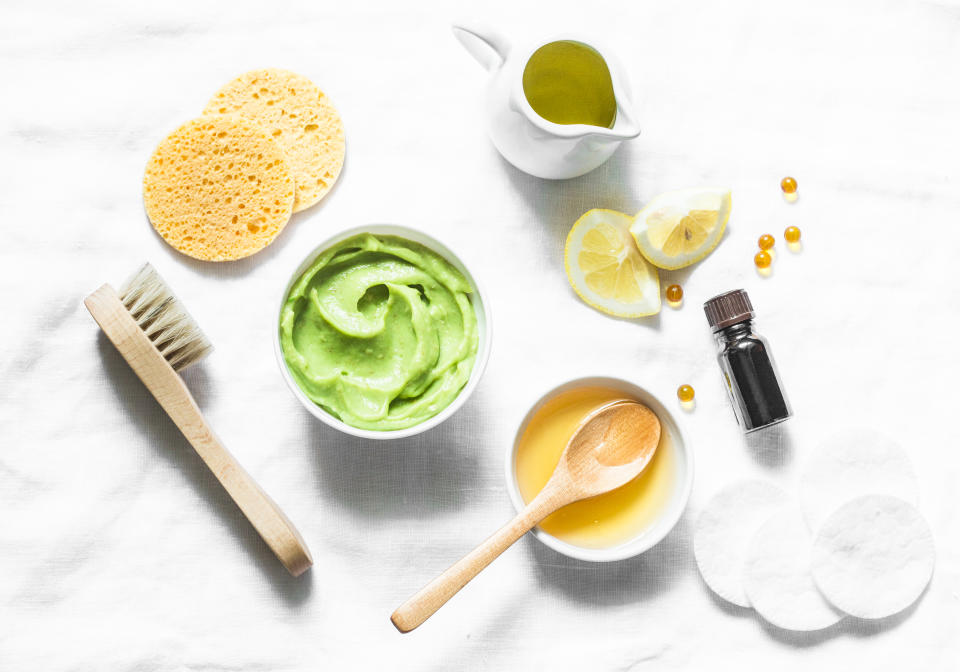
568 82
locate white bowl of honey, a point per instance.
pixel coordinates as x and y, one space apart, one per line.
619 524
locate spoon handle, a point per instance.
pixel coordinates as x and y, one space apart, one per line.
435 594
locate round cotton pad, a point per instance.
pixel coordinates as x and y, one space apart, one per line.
777 575
299 116
853 463
874 556
218 188
724 530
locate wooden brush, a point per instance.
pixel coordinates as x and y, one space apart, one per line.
158 338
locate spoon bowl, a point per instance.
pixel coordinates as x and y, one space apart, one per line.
611 447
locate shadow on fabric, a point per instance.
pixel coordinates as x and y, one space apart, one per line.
430 474
622 582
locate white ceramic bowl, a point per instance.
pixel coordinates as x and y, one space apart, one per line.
479 307
671 511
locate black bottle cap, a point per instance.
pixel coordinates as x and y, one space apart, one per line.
728 309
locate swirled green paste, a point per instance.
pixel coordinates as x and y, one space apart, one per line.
380 332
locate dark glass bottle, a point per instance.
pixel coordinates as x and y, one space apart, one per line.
746 362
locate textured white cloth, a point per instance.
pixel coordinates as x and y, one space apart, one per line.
118 551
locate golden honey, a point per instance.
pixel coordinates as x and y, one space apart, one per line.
607 520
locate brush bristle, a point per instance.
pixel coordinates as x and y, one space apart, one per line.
163 319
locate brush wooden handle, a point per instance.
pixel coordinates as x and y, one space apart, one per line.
169 389
435 594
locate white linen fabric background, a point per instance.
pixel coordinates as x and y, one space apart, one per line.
118 551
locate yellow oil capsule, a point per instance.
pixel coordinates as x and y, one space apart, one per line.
762 259
766 241
674 293
685 393
788 185
792 234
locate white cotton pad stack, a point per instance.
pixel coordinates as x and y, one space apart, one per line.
859 547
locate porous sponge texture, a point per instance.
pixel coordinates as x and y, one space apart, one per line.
299 116
219 188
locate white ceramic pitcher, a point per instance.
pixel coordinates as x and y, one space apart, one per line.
524 138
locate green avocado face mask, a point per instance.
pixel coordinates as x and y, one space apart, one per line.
380 332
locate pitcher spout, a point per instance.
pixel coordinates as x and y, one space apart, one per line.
607 139
618 133
626 126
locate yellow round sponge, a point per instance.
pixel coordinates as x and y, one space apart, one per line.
302 119
219 188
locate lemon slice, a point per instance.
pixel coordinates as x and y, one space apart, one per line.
680 228
605 268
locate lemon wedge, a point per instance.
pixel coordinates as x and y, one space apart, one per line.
681 227
605 268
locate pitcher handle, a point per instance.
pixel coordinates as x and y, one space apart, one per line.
484 44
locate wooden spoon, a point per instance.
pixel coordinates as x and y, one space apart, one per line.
609 449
